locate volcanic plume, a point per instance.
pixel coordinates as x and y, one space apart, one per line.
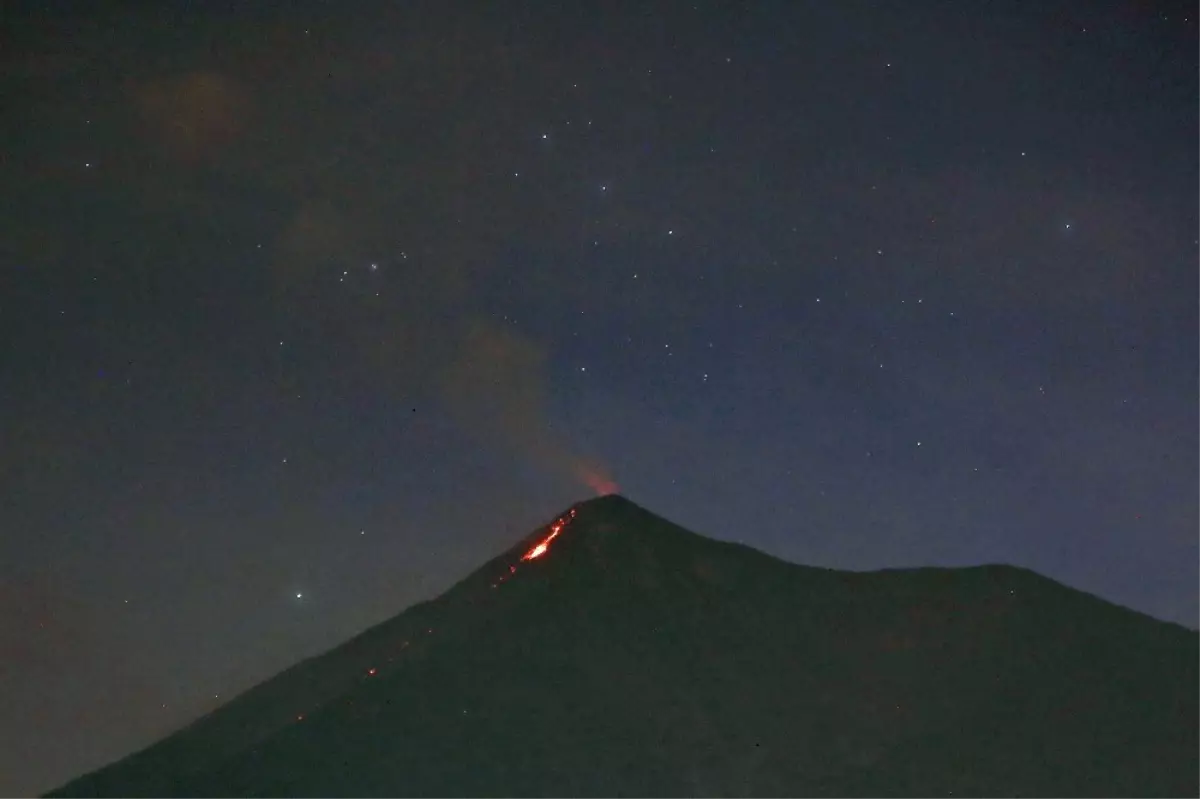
495 388
611 652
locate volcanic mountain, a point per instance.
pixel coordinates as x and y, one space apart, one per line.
614 653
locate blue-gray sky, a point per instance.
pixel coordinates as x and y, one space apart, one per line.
306 312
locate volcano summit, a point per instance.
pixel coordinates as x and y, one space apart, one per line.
614 653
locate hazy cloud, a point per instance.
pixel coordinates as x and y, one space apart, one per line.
495 387
195 115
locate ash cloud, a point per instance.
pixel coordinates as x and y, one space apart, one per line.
495 388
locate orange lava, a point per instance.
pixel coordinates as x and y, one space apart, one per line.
544 544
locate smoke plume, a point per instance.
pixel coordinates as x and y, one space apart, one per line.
495 388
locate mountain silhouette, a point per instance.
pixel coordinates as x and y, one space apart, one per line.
615 653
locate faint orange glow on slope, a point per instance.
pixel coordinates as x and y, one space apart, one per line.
544 544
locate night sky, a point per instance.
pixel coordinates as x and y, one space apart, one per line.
307 312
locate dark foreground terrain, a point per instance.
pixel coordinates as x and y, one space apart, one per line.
632 657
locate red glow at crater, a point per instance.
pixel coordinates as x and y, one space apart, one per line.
596 479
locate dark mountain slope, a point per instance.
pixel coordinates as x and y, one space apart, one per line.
635 657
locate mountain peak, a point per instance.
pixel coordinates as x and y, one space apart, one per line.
614 541
611 652
607 510
610 504
597 521
588 535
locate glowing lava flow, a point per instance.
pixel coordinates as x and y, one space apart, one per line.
541 547
544 544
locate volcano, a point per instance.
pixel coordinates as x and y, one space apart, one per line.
614 653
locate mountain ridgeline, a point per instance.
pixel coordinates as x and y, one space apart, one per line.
614 653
